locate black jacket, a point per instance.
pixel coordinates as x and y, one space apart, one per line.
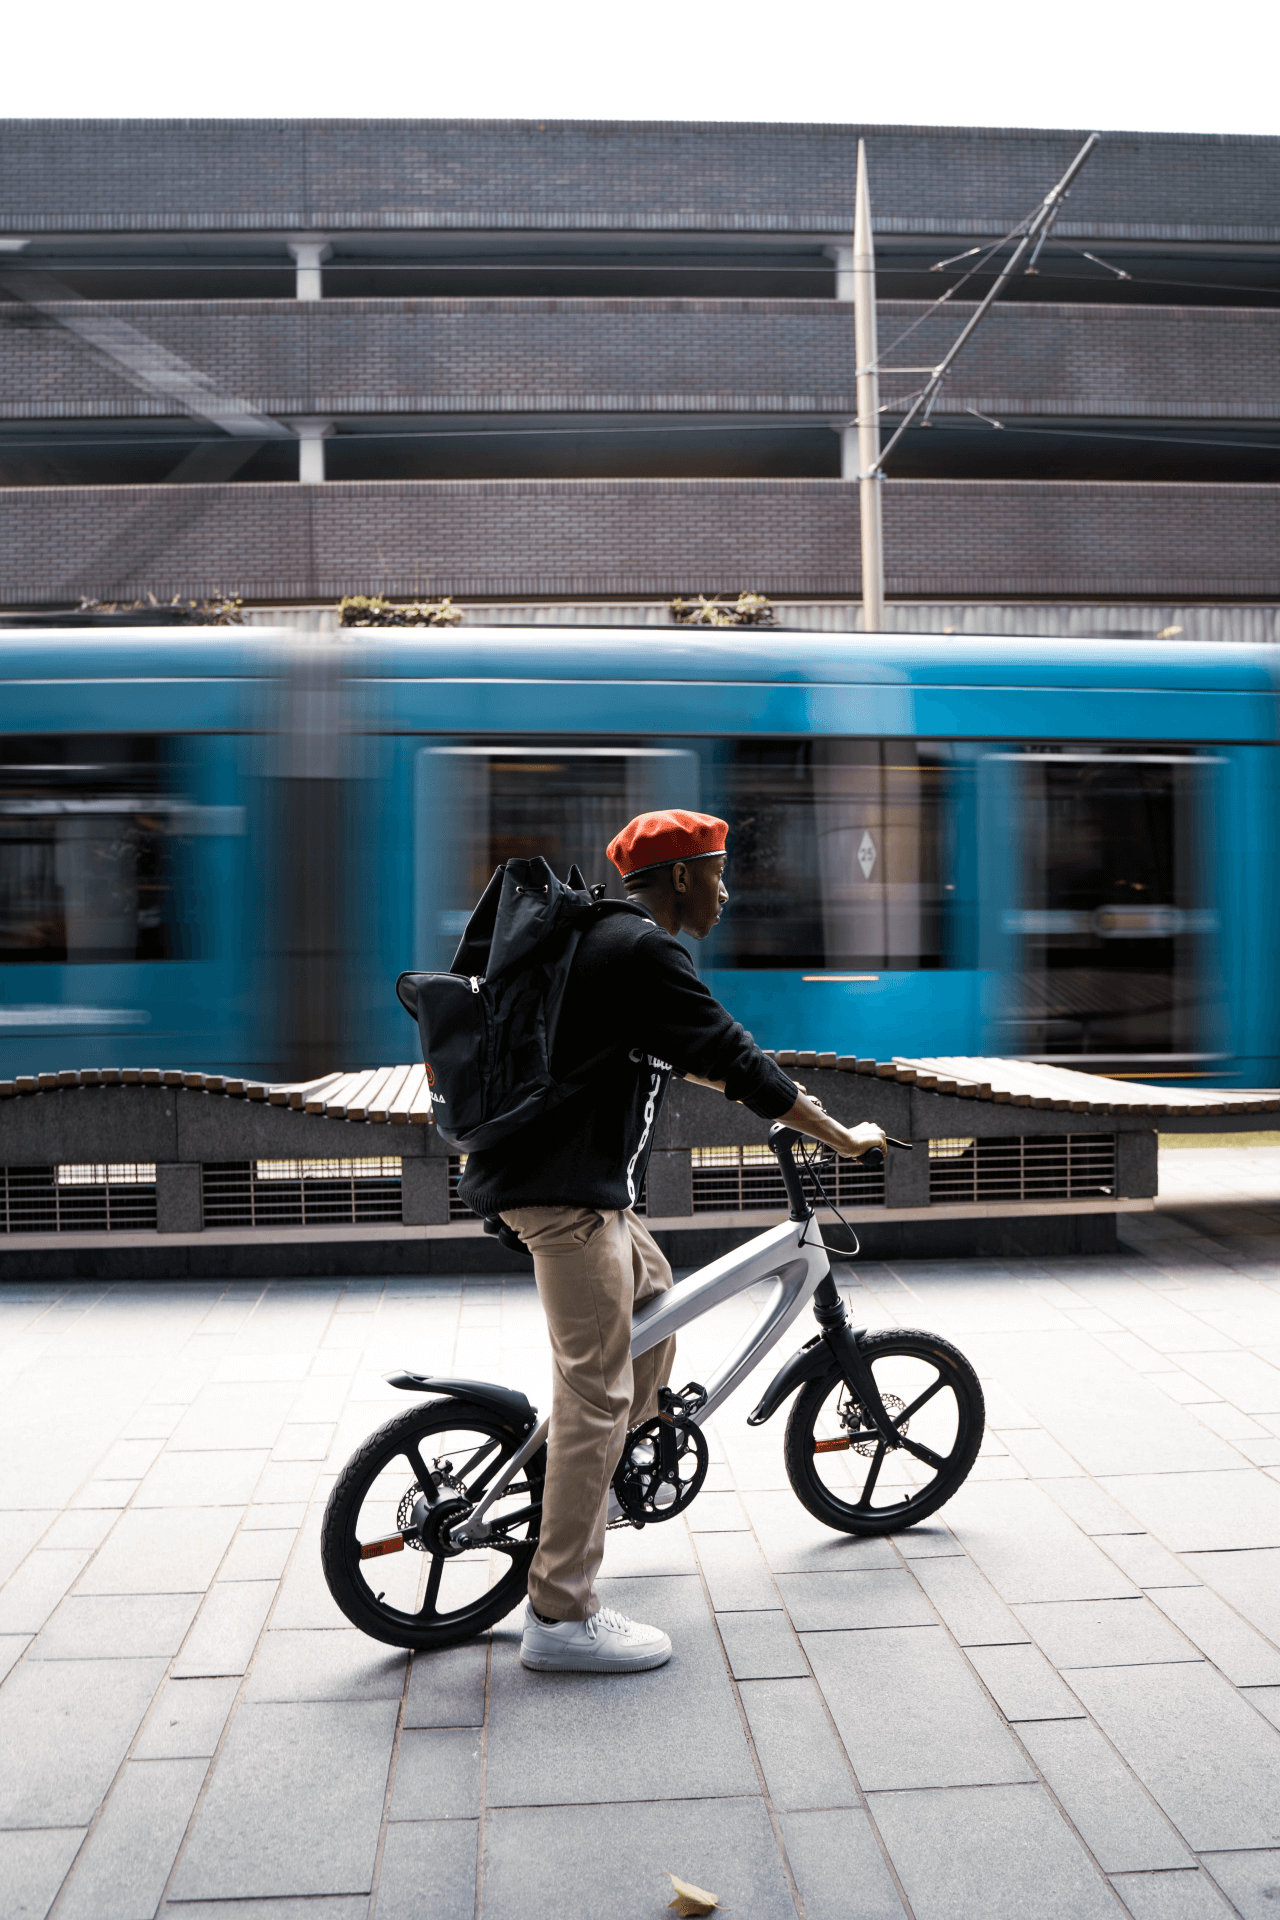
632 986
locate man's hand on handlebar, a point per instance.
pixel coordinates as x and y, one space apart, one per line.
809 1116
865 1136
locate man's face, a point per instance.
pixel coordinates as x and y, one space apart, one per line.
703 896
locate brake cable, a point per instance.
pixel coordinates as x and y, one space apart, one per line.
811 1157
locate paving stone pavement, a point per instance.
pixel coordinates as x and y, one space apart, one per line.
1059 1698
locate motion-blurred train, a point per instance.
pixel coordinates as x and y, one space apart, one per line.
218 848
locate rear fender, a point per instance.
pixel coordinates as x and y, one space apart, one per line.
813 1360
512 1408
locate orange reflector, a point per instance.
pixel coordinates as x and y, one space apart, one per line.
394 1543
831 1446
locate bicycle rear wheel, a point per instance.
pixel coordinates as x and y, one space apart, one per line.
385 1545
840 1468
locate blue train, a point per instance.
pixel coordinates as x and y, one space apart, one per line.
218 848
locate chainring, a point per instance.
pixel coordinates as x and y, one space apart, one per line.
648 1492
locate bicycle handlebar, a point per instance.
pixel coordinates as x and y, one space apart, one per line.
783 1142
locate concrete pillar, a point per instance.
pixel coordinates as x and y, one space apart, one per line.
309 256
847 429
843 257
1137 1165
669 1189
312 435
424 1191
906 1176
179 1200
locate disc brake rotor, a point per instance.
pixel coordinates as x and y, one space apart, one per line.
426 1527
408 1521
852 1417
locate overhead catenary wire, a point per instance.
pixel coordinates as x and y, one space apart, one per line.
758 268
1039 222
1140 281
943 298
655 423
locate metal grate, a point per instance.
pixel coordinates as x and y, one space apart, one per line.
98 1198
1079 1166
459 1210
301 1193
747 1180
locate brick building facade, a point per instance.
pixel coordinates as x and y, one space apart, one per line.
525 361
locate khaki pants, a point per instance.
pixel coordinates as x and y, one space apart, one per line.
591 1269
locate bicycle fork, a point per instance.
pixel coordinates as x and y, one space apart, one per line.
842 1341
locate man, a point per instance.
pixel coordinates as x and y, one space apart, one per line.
568 1185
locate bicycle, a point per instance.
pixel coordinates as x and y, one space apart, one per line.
904 1402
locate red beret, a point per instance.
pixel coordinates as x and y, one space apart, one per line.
656 839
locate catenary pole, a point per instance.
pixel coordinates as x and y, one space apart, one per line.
870 477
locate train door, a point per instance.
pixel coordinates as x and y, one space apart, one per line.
476 806
121 857
1100 926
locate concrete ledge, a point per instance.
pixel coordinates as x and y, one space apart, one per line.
68 1257
733 178
908 1233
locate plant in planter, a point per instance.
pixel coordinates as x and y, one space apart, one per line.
748 610
218 610
364 610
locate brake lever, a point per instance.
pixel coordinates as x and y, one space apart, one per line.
873 1158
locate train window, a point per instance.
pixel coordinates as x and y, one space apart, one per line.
1109 930
84 866
836 855
481 805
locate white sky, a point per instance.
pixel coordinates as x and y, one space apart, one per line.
1181 65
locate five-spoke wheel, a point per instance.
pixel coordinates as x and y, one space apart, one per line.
387 1544
847 1475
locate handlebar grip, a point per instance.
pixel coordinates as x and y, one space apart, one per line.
872 1159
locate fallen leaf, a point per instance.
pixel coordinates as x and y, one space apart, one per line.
690 1899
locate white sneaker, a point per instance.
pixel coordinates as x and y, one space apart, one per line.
606 1643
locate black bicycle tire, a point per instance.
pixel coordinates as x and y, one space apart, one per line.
798 1456
337 1532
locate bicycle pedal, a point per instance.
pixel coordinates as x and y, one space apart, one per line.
684 1403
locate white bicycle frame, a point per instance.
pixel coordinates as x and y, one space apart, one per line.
794 1259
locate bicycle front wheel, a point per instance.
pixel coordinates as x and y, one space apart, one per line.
840 1468
385 1544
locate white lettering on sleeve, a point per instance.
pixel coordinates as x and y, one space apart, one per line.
659 1067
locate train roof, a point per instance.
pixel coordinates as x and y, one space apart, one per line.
643 654
640 681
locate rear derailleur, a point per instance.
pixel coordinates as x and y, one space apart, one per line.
664 1461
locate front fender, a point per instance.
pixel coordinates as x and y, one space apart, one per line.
813 1360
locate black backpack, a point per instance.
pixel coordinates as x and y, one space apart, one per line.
488 1026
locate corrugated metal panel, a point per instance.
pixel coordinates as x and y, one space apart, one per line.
1257 624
